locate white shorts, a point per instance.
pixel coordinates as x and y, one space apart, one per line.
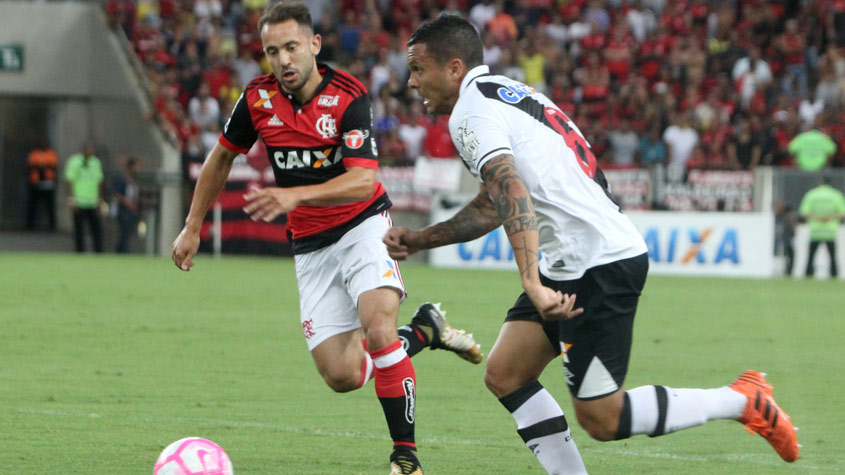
331 279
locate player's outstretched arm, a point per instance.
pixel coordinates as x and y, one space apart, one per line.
516 211
474 220
212 177
266 204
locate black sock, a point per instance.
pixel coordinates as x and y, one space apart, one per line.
413 339
623 431
400 426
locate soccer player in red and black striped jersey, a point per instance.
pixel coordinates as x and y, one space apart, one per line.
316 123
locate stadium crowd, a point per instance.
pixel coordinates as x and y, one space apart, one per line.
693 84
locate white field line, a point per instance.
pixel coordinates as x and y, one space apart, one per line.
744 459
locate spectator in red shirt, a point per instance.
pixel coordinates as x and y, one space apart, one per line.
618 52
438 140
653 52
121 14
219 74
594 41
595 82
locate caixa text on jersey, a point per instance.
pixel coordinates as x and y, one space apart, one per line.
305 158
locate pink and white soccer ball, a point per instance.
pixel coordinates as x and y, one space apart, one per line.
193 456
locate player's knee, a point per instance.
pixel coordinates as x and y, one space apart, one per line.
601 427
341 381
379 336
499 381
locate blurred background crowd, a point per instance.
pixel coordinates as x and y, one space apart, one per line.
692 84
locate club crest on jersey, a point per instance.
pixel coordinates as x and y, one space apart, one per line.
327 126
264 99
515 93
327 101
468 141
354 139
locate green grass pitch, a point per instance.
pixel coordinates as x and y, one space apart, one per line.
105 360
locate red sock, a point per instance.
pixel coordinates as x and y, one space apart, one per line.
396 389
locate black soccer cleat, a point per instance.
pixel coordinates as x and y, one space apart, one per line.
405 462
441 335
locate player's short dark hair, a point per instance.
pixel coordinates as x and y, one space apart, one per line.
449 36
286 10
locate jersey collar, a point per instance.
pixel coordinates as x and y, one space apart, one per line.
474 74
328 75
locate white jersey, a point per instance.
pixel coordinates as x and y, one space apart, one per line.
579 225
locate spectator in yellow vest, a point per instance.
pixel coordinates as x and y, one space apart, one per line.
823 207
812 149
84 175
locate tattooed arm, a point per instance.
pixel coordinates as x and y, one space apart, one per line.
476 219
514 207
516 211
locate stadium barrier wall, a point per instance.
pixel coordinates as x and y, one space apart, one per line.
680 243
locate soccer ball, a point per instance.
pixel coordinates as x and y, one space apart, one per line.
193 456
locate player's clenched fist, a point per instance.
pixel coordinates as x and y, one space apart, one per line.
400 242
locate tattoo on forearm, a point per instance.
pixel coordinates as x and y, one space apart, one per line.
476 219
512 200
514 206
530 255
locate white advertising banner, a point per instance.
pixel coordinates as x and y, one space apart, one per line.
714 244
718 243
492 251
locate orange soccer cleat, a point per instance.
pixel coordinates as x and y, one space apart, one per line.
763 416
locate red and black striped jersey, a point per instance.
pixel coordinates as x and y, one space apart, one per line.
311 143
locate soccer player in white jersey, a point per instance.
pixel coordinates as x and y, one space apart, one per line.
540 180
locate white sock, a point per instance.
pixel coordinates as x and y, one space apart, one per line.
543 427
658 410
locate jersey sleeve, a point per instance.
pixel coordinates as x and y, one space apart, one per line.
359 145
239 133
478 138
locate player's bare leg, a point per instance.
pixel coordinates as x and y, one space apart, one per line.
395 380
514 366
342 361
659 410
600 417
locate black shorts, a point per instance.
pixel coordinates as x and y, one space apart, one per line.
596 344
